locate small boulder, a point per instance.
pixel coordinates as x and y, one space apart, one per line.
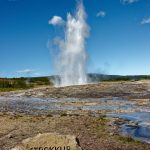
49 141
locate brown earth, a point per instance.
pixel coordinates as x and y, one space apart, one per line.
92 133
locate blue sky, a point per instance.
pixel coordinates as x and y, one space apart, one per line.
119 41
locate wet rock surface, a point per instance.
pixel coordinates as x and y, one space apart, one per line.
105 105
135 125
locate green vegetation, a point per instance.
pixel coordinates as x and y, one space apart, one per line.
40 81
63 114
131 78
128 139
103 77
10 84
146 77
119 78
49 115
13 83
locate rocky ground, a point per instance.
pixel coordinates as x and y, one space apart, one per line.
92 132
130 89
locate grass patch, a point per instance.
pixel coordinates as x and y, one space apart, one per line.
128 139
102 120
63 114
9 89
49 115
13 84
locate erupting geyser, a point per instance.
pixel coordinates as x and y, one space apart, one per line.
72 57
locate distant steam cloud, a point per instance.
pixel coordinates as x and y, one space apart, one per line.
101 14
145 21
25 71
56 20
1 74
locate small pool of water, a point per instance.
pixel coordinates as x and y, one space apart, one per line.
138 126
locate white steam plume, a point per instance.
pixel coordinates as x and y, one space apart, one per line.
72 57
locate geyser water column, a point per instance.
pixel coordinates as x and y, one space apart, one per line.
72 57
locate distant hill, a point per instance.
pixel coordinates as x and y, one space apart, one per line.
103 77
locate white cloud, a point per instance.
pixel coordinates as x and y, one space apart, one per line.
1 74
145 21
25 71
128 1
37 74
56 20
101 14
